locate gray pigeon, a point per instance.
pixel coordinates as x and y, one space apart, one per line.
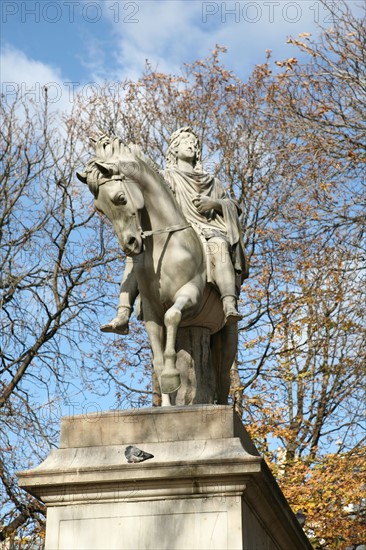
133 454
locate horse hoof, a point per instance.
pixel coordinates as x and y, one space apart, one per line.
170 382
121 329
232 317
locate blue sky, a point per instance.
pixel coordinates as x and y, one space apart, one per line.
75 42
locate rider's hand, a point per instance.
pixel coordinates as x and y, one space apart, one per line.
205 204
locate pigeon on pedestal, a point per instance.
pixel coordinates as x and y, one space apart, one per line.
133 454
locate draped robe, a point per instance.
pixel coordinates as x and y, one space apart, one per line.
186 186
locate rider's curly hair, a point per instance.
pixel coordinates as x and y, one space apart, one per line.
171 155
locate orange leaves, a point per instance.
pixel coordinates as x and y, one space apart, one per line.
302 46
230 88
251 343
324 185
352 155
219 49
330 491
322 110
288 63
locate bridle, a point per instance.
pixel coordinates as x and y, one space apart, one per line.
149 233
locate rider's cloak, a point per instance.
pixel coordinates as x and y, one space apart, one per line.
186 186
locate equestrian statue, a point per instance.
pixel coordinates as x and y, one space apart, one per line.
185 257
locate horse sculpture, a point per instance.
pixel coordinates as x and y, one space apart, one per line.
168 257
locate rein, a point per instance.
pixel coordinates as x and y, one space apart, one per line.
145 234
171 229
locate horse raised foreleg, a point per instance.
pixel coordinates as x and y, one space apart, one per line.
187 297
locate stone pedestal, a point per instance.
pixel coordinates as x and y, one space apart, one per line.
205 488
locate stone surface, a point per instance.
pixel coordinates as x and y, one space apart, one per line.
197 373
206 486
182 234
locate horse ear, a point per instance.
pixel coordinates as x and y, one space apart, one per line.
81 176
106 169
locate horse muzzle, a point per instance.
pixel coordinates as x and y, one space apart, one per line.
132 246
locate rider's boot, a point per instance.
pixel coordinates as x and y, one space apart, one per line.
119 324
231 313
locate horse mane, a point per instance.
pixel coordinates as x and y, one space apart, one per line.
135 150
109 150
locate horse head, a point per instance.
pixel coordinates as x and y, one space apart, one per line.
110 177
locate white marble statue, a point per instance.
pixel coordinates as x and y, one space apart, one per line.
182 236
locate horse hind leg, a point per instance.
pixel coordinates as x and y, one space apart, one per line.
224 345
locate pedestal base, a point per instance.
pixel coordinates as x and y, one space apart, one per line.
205 488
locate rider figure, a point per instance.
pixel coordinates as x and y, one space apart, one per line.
212 214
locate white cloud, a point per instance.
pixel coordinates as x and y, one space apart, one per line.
28 76
171 32
166 33
17 67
